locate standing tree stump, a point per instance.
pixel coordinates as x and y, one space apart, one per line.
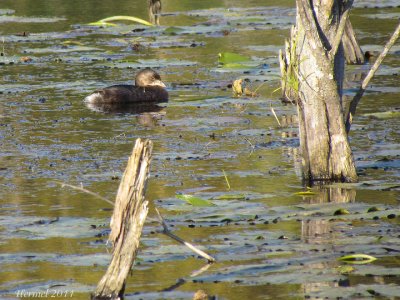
154 11
127 221
313 69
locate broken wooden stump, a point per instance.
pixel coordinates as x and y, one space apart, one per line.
130 211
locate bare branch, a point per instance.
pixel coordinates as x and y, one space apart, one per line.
63 184
276 117
371 73
181 241
200 271
341 29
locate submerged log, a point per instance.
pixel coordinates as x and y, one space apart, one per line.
126 224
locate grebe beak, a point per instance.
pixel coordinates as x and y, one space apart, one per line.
158 83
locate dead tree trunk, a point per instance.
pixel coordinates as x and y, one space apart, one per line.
154 11
126 224
316 60
352 51
313 70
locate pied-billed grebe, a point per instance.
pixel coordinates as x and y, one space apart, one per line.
148 88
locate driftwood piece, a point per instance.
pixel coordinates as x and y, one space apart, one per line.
126 224
166 231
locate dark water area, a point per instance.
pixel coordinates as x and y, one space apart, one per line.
270 242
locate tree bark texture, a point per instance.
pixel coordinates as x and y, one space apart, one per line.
352 50
319 71
130 211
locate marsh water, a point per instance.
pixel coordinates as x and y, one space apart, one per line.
270 240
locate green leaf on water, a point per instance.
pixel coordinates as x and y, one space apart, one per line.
345 269
173 30
231 58
75 43
279 254
106 21
305 193
230 197
237 66
373 209
357 259
341 211
103 24
381 239
384 115
127 18
226 180
195 201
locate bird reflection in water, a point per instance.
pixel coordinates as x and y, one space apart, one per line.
147 114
